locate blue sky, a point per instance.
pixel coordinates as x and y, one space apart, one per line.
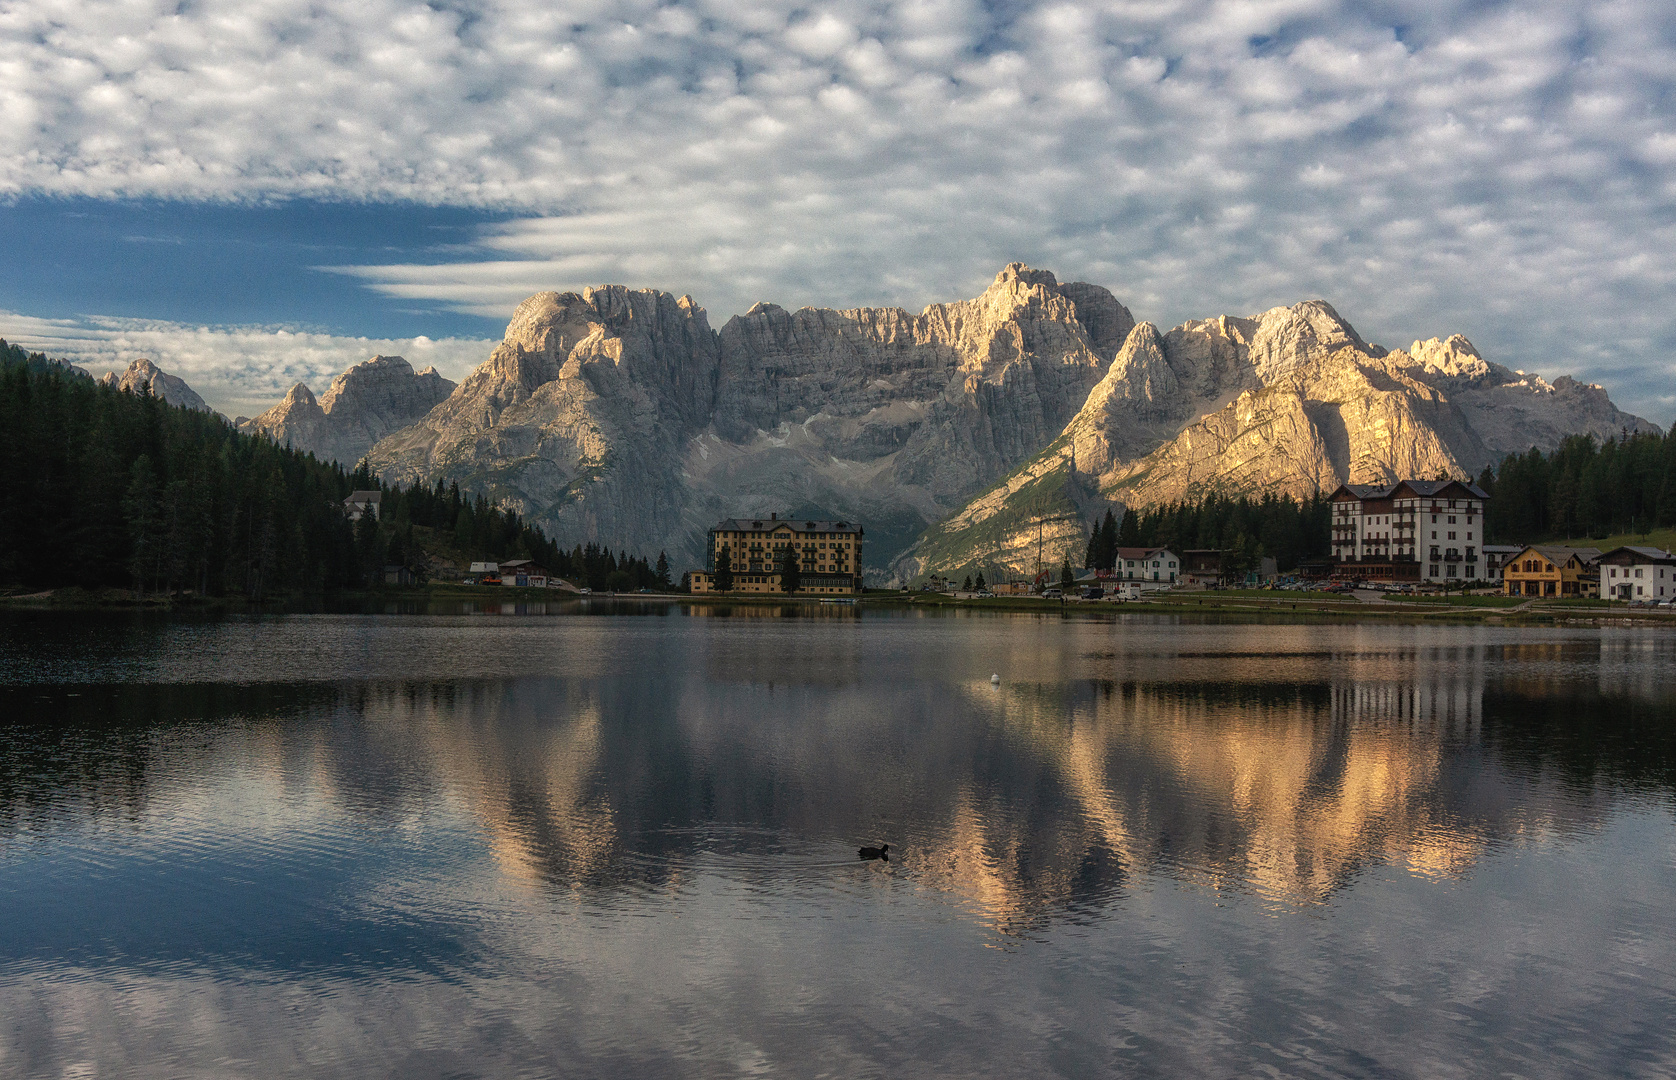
264 191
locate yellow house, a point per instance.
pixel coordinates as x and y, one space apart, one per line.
753 551
1550 570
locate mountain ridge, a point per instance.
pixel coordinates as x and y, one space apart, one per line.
620 416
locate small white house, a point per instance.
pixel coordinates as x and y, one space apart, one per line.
363 502
1147 564
1637 573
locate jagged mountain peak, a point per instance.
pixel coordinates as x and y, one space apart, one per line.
1287 337
142 373
1453 357
365 403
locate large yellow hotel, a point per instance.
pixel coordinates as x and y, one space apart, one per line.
828 556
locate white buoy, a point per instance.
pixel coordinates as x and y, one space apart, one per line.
995 678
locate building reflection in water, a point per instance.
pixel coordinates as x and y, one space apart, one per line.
770 753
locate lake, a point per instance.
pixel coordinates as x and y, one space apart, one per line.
611 841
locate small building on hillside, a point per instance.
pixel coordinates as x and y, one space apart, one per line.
400 575
1147 564
483 571
363 502
828 554
1637 573
1010 588
1552 570
1409 531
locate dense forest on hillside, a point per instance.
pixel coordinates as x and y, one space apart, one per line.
1583 489
106 488
1249 528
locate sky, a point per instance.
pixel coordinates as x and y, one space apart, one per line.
261 192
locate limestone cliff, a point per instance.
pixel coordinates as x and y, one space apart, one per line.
976 433
617 415
364 404
142 374
1293 401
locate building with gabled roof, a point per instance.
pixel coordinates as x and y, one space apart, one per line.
363 502
753 549
1409 531
1552 570
1637 573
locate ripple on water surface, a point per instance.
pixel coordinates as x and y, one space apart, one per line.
344 845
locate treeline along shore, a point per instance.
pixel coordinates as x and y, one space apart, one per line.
111 489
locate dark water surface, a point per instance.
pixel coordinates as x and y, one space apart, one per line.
625 845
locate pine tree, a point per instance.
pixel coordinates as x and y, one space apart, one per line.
966 586
724 572
662 578
1129 535
1066 577
139 506
790 577
1107 555
978 582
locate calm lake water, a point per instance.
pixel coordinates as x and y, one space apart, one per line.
624 844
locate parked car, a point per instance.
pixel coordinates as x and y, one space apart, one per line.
1053 594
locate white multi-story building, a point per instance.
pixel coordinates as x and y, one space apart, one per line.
1413 530
1637 573
1147 564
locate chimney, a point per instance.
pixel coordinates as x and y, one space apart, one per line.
774 517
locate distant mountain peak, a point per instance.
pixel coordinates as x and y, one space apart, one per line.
143 374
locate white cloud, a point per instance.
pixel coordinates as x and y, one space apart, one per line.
1429 167
236 369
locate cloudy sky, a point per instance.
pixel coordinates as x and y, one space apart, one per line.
255 192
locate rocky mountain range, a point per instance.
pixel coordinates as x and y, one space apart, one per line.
142 374
961 436
369 401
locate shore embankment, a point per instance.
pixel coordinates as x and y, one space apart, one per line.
1220 604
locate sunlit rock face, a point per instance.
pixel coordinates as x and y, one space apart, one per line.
984 433
364 404
142 374
1292 402
617 415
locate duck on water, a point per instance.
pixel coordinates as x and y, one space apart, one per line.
874 852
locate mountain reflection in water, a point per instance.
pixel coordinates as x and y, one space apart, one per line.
620 768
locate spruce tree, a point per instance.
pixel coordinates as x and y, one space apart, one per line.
724 571
1129 534
790 577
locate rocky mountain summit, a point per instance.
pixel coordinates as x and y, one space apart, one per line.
969 434
1292 401
362 406
618 414
142 374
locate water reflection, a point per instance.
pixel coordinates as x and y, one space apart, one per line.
1205 823
776 755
